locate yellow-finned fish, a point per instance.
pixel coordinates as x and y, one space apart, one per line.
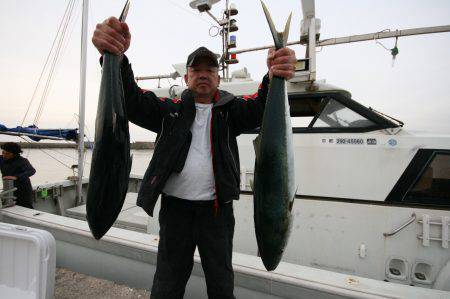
111 160
274 179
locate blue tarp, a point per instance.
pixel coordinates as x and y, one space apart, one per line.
37 134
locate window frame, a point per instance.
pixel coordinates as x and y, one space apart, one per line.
412 174
379 121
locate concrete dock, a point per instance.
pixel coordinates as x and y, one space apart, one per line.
70 284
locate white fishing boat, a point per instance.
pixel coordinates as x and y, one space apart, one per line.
371 214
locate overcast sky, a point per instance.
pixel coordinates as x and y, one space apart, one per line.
416 90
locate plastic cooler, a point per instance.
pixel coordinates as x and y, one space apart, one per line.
27 262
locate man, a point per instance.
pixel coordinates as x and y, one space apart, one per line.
17 168
195 165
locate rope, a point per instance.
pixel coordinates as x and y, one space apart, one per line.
394 51
61 153
72 27
87 133
190 12
62 163
55 61
45 64
54 64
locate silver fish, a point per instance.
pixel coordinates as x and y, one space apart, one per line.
274 179
111 160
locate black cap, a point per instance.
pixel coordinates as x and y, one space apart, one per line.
11 147
202 52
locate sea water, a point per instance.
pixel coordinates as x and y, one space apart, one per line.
54 165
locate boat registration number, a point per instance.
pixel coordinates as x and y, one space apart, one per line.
349 141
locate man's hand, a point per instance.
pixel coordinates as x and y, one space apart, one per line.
112 36
9 177
281 63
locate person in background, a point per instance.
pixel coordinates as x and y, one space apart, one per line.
17 168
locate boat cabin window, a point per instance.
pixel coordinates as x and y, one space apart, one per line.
303 110
332 113
433 185
336 115
324 113
426 180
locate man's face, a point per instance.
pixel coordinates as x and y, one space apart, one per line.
202 78
7 155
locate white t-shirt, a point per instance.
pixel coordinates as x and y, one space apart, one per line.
196 180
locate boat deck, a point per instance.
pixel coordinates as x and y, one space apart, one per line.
129 258
131 217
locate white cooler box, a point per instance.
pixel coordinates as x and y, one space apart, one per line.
27 262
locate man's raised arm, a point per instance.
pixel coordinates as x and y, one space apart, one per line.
143 108
247 112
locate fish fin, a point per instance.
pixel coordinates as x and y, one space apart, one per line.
291 204
280 38
131 163
286 30
114 122
256 146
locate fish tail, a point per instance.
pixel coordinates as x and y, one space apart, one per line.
286 30
280 38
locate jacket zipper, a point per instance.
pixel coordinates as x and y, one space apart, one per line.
229 148
160 135
216 201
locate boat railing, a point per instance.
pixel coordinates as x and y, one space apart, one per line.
6 192
7 197
427 235
401 227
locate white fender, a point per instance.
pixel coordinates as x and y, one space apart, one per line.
443 279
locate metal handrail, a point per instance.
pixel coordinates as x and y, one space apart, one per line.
411 220
4 192
7 201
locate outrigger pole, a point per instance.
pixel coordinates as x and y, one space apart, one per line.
309 37
359 38
82 102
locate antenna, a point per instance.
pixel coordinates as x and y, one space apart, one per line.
309 35
228 25
202 5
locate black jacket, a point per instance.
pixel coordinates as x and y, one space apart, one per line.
171 119
22 169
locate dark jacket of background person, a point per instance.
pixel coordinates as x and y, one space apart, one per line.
22 169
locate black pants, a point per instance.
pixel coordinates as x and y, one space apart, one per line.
184 225
24 194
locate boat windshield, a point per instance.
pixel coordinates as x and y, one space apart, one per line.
332 112
336 115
